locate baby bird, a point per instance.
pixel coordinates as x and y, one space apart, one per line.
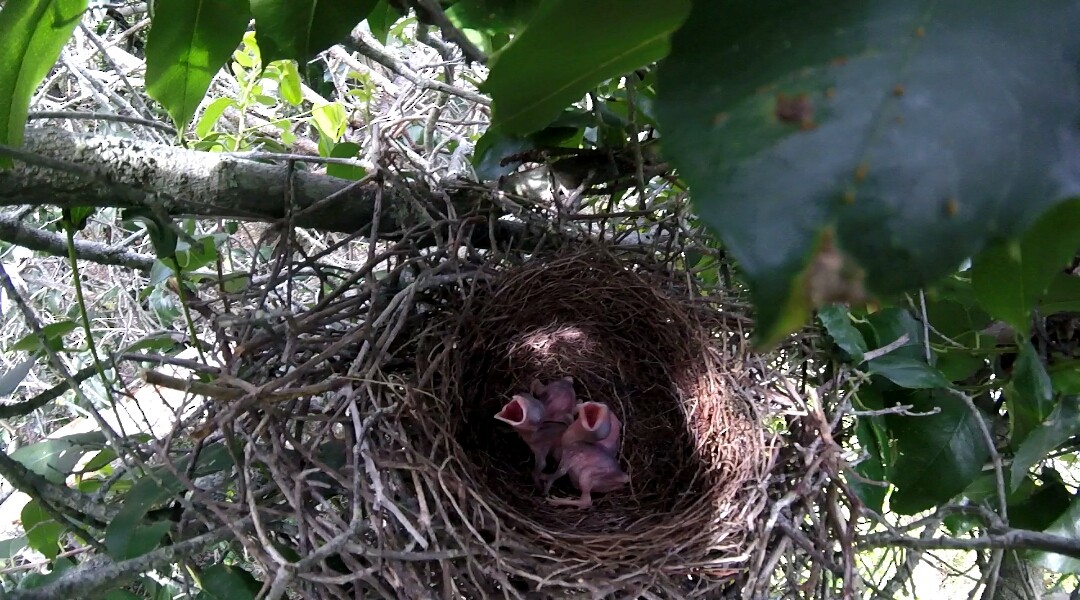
588 455
527 415
558 397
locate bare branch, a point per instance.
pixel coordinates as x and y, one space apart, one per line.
14 231
1007 539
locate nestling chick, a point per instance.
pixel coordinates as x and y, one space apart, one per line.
526 415
558 397
586 456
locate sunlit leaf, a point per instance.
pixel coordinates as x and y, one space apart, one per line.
188 43
32 33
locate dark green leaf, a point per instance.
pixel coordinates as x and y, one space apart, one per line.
890 324
42 532
76 217
872 468
160 341
1063 295
11 379
907 372
493 16
1042 508
837 322
188 43
938 455
956 320
1062 424
382 18
958 365
32 32
53 332
224 582
1011 276
346 150
162 234
839 127
300 29
1067 525
54 459
1029 396
568 48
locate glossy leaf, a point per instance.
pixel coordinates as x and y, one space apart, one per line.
568 48
938 455
1011 276
188 43
225 582
837 322
831 143
907 372
300 29
10 379
42 531
55 458
1029 397
32 33
1062 424
1067 525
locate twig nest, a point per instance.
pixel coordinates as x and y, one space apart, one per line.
673 370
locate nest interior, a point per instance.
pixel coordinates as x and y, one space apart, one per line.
672 370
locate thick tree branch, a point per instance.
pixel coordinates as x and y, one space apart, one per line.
14 231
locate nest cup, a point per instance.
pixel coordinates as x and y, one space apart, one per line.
672 369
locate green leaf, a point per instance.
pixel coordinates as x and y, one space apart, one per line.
492 16
1063 295
128 535
54 459
53 332
1039 510
224 582
907 372
42 531
890 324
32 33
11 546
1067 525
938 455
1011 276
210 116
1029 396
837 322
382 18
300 29
290 85
806 134
330 119
11 379
1062 424
568 48
346 150
76 217
189 41
872 468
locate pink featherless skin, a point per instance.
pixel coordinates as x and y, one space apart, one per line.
588 455
527 416
558 397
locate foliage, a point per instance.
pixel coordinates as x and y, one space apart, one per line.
902 171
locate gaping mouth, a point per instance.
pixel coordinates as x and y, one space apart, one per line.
513 412
592 414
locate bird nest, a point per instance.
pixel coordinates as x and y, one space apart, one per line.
671 366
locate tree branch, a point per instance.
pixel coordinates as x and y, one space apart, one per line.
14 231
1004 539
